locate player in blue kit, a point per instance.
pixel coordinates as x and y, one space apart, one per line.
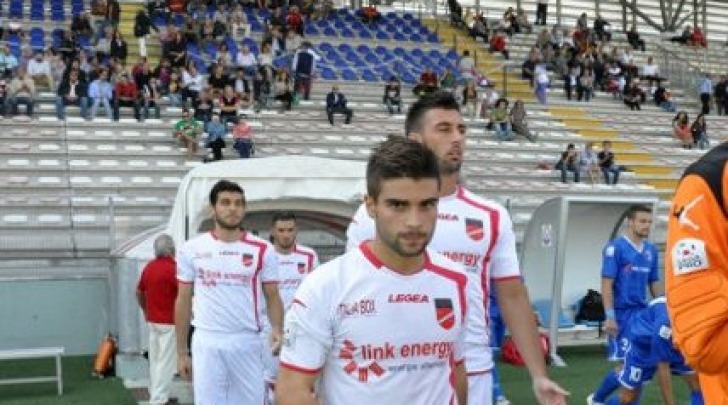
650 350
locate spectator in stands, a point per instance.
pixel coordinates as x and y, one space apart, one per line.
488 100
143 26
500 120
72 91
681 129
336 104
370 14
632 96
720 93
243 138
499 43
282 89
569 162
240 83
239 27
187 130
69 46
519 122
456 14
585 86
3 97
228 103
39 69
292 42
205 106
174 89
699 131
571 78
216 130
542 7
609 168
651 72
663 99
602 28
100 92
119 48
304 66
529 66
705 89
448 81
175 50
685 37
470 99
589 162
427 83
509 23
265 63
98 15
126 95
582 23
218 79
22 91
542 83
522 23
698 38
392 95
193 83
102 47
11 62
294 20
633 37
81 25
151 96
466 66
113 13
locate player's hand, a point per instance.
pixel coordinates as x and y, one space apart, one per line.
184 366
610 326
548 392
275 341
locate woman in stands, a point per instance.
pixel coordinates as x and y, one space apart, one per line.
119 49
470 99
681 129
282 89
518 121
699 130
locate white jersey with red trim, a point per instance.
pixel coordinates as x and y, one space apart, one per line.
478 234
227 278
292 269
378 336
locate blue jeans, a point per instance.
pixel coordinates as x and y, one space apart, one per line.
614 170
107 107
61 104
502 130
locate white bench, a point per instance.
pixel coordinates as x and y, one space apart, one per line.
36 353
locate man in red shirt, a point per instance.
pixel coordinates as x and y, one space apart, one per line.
125 94
156 293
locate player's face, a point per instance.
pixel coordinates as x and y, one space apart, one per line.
405 214
284 234
443 132
641 224
229 210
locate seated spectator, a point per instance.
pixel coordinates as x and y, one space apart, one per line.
100 92
479 28
126 95
69 46
589 162
292 42
243 138
610 170
336 104
193 83
569 162
585 85
571 78
519 122
633 37
509 23
522 22
216 131
663 99
174 88
72 91
529 66
448 81
10 62
632 96
22 91
602 29
228 103
698 38
218 80
119 49
187 130
294 20
247 61
466 66
81 25
370 14
39 70
151 96
392 97
470 99
427 83
499 43
176 50
542 84
699 131
282 89
685 37
500 120
239 27
651 72
205 106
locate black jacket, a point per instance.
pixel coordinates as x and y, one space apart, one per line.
65 88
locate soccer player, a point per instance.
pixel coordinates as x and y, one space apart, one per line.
295 261
651 350
228 270
696 270
384 323
478 234
629 268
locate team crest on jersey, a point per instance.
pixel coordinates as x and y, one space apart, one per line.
247 259
688 256
301 268
474 228
444 312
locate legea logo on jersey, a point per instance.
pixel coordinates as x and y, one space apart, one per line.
445 216
363 307
688 256
408 298
301 268
445 313
474 228
247 259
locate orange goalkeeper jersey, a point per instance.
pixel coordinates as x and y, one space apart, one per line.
696 273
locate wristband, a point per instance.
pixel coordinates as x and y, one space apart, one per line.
610 314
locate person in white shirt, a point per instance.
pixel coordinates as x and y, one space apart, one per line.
295 262
651 73
247 61
193 83
478 234
385 322
39 69
229 271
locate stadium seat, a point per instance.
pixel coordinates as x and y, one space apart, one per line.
349 74
543 309
369 76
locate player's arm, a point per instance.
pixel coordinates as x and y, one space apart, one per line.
696 273
274 307
296 387
664 378
609 272
461 383
182 318
656 288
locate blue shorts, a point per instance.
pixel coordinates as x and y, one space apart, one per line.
637 371
497 332
618 345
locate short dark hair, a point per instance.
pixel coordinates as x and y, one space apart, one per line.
283 216
440 99
398 158
222 186
633 210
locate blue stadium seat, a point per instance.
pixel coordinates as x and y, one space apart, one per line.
352 57
311 29
340 63
408 78
339 24
415 37
409 17
383 36
256 26
325 46
330 32
452 55
328 74
365 34
433 39
363 48
345 48
398 36
390 28
372 59
369 76
58 15
543 309
399 52
347 33
348 74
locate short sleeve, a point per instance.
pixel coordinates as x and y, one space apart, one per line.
503 258
315 262
185 268
609 261
360 230
308 330
269 270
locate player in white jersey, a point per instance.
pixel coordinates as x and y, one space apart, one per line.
228 270
295 262
383 324
478 234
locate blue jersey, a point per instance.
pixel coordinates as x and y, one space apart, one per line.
650 335
633 271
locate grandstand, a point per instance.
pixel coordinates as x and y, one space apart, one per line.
75 190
